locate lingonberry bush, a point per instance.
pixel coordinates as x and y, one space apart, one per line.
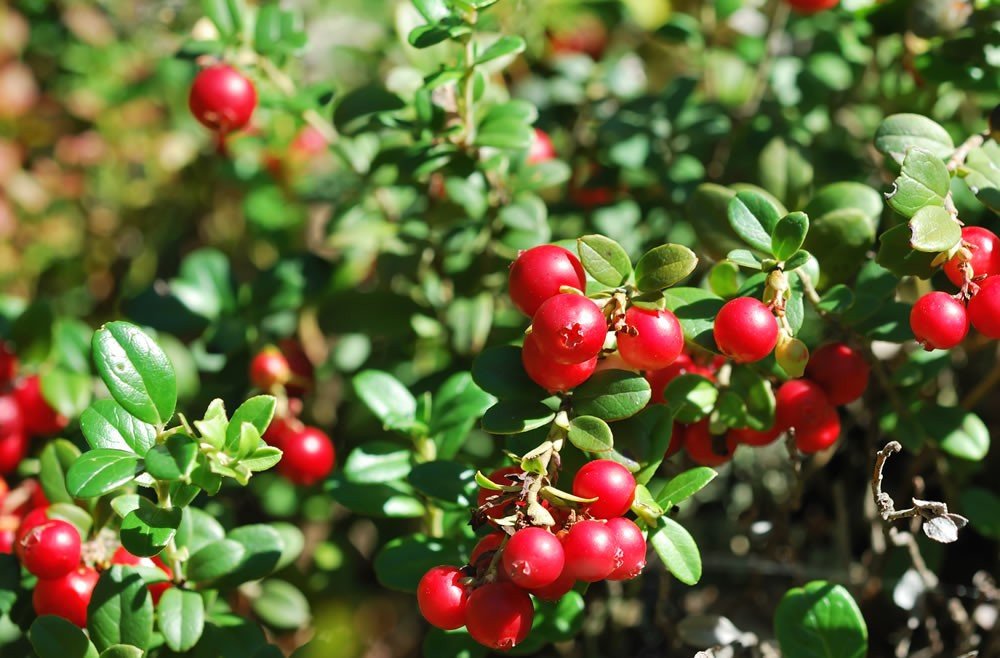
449 327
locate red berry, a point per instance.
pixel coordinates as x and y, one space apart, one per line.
486 545
51 550
8 533
66 597
796 401
280 429
551 375
939 321
705 448
569 328
659 379
541 149
629 539
8 365
609 482
840 371
820 433
500 477
269 368
752 437
442 599
11 418
540 272
985 261
984 308
557 588
13 450
745 330
32 519
303 372
812 6
676 440
222 98
533 557
591 551
40 419
156 590
308 142
499 615
657 344
308 456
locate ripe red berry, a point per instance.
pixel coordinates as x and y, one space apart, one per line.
485 495
752 437
705 448
533 557
821 432
11 418
51 550
609 482
499 615
32 519
551 375
40 419
308 456
8 533
629 539
156 590
984 308
657 344
939 321
442 599
66 597
222 98
541 149
796 401
745 330
485 546
13 450
269 368
591 551
569 328
8 365
303 372
985 261
840 371
540 272
280 429
557 588
659 379
812 6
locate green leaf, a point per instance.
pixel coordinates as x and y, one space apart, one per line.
696 310
392 500
214 560
933 230
377 461
923 181
454 644
753 218
508 44
445 482
756 395
684 485
54 637
677 550
281 606
901 132
263 547
709 204
386 397
820 620
106 424
148 529
590 434
181 615
258 411
120 610
358 106
262 458
960 433
498 370
218 12
76 516
67 392
197 529
690 397
470 320
122 651
173 459
455 408
56 458
789 234
136 371
605 260
797 260
97 472
983 509
784 171
611 395
432 10
516 416
664 266
725 278
840 240
214 425
981 173
403 561
896 254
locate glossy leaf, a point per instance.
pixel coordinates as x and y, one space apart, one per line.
664 266
136 371
901 132
97 472
820 620
677 550
684 485
923 181
214 560
54 637
611 395
181 615
753 218
789 234
514 417
120 610
148 529
106 424
173 459
933 230
604 259
590 434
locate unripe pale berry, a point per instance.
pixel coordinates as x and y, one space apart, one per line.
840 371
533 557
500 476
540 272
541 149
308 456
40 419
591 551
657 344
269 368
984 245
442 599
51 549
222 98
66 597
629 539
984 308
569 328
608 481
939 321
551 375
745 330
499 615
705 448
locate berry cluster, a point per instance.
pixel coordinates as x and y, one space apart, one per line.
24 412
587 542
941 321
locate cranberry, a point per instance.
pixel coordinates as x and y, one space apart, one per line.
985 261
11 417
486 545
752 437
984 308
222 98
591 551
821 432
280 429
308 142
840 371
13 450
609 482
745 330
269 369
499 615
533 557
308 456
32 519
796 401
541 149
8 532
676 440
657 344
500 477
303 372
812 6
66 597
540 272
550 375
40 419
659 379
156 590
8 365
51 550
569 328
705 448
557 588
442 599
939 321
629 539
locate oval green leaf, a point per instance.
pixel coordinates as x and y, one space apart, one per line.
97 472
664 266
136 371
181 618
604 259
611 395
590 434
820 620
